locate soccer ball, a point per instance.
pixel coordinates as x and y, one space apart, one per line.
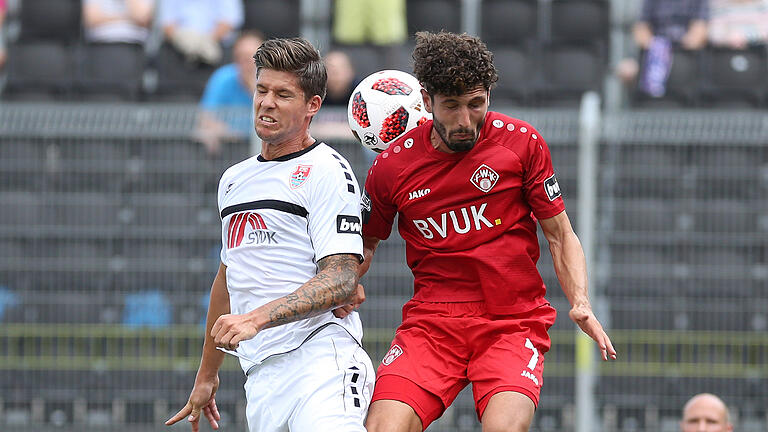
384 106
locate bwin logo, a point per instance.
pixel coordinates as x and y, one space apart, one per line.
418 193
552 188
347 224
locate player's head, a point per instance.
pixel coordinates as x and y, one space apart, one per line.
290 87
705 412
457 73
245 45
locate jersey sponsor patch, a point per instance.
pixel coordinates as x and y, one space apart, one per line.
552 188
484 178
365 206
347 224
392 355
300 175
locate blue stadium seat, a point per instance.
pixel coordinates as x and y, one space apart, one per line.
147 309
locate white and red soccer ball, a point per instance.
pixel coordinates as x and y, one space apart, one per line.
384 106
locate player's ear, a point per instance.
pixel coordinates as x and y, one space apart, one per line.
314 103
427 100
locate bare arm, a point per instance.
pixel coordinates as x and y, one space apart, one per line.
642 34
358 297
696 36
140 11
202 397
335 281
571 271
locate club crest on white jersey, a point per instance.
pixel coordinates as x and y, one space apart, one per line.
300 175
484 178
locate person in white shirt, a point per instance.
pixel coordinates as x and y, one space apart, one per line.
291 249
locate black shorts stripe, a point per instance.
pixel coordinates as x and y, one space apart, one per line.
266 204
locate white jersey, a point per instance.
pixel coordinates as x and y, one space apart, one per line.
278 218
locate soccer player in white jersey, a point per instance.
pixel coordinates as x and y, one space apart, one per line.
291 248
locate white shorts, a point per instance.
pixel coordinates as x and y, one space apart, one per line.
323 386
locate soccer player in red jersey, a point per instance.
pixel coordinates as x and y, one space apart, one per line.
468 187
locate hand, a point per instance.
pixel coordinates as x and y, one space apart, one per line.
202 399
355 301
229 330
585 318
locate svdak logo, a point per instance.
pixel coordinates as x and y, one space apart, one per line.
346 224
258 234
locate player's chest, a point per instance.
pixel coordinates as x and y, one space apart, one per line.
446 185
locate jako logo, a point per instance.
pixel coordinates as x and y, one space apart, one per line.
348 224
258 234
418 193
442 228
392 354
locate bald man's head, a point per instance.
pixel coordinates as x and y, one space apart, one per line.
705 412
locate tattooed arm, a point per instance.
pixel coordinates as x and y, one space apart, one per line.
335 281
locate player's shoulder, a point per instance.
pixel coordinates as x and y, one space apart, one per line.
239 167
405 150
508 131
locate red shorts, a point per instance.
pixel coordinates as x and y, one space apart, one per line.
441 347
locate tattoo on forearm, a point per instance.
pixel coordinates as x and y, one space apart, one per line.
335 282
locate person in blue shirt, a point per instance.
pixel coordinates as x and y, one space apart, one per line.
228 96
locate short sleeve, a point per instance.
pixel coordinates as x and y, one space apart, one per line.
540 186
334 211
378 211
220 199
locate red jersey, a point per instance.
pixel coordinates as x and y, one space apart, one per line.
468 218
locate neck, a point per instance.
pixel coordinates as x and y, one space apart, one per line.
271 151
438 143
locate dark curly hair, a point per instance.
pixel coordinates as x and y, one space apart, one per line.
452 64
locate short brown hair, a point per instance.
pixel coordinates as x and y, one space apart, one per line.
452 64
298 56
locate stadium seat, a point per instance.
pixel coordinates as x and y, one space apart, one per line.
39 71
433 15
147 309
735 78
508 22
515 68
274 18
570 70
683 83
366 59
177 79
580 20
110 72
53 20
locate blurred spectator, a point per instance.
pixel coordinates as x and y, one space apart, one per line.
705 412
379 22
663 25
738 23
198 28
230 86
3 10
342 78
126 21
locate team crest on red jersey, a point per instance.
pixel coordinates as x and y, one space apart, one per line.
484 178
392 354
300 175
